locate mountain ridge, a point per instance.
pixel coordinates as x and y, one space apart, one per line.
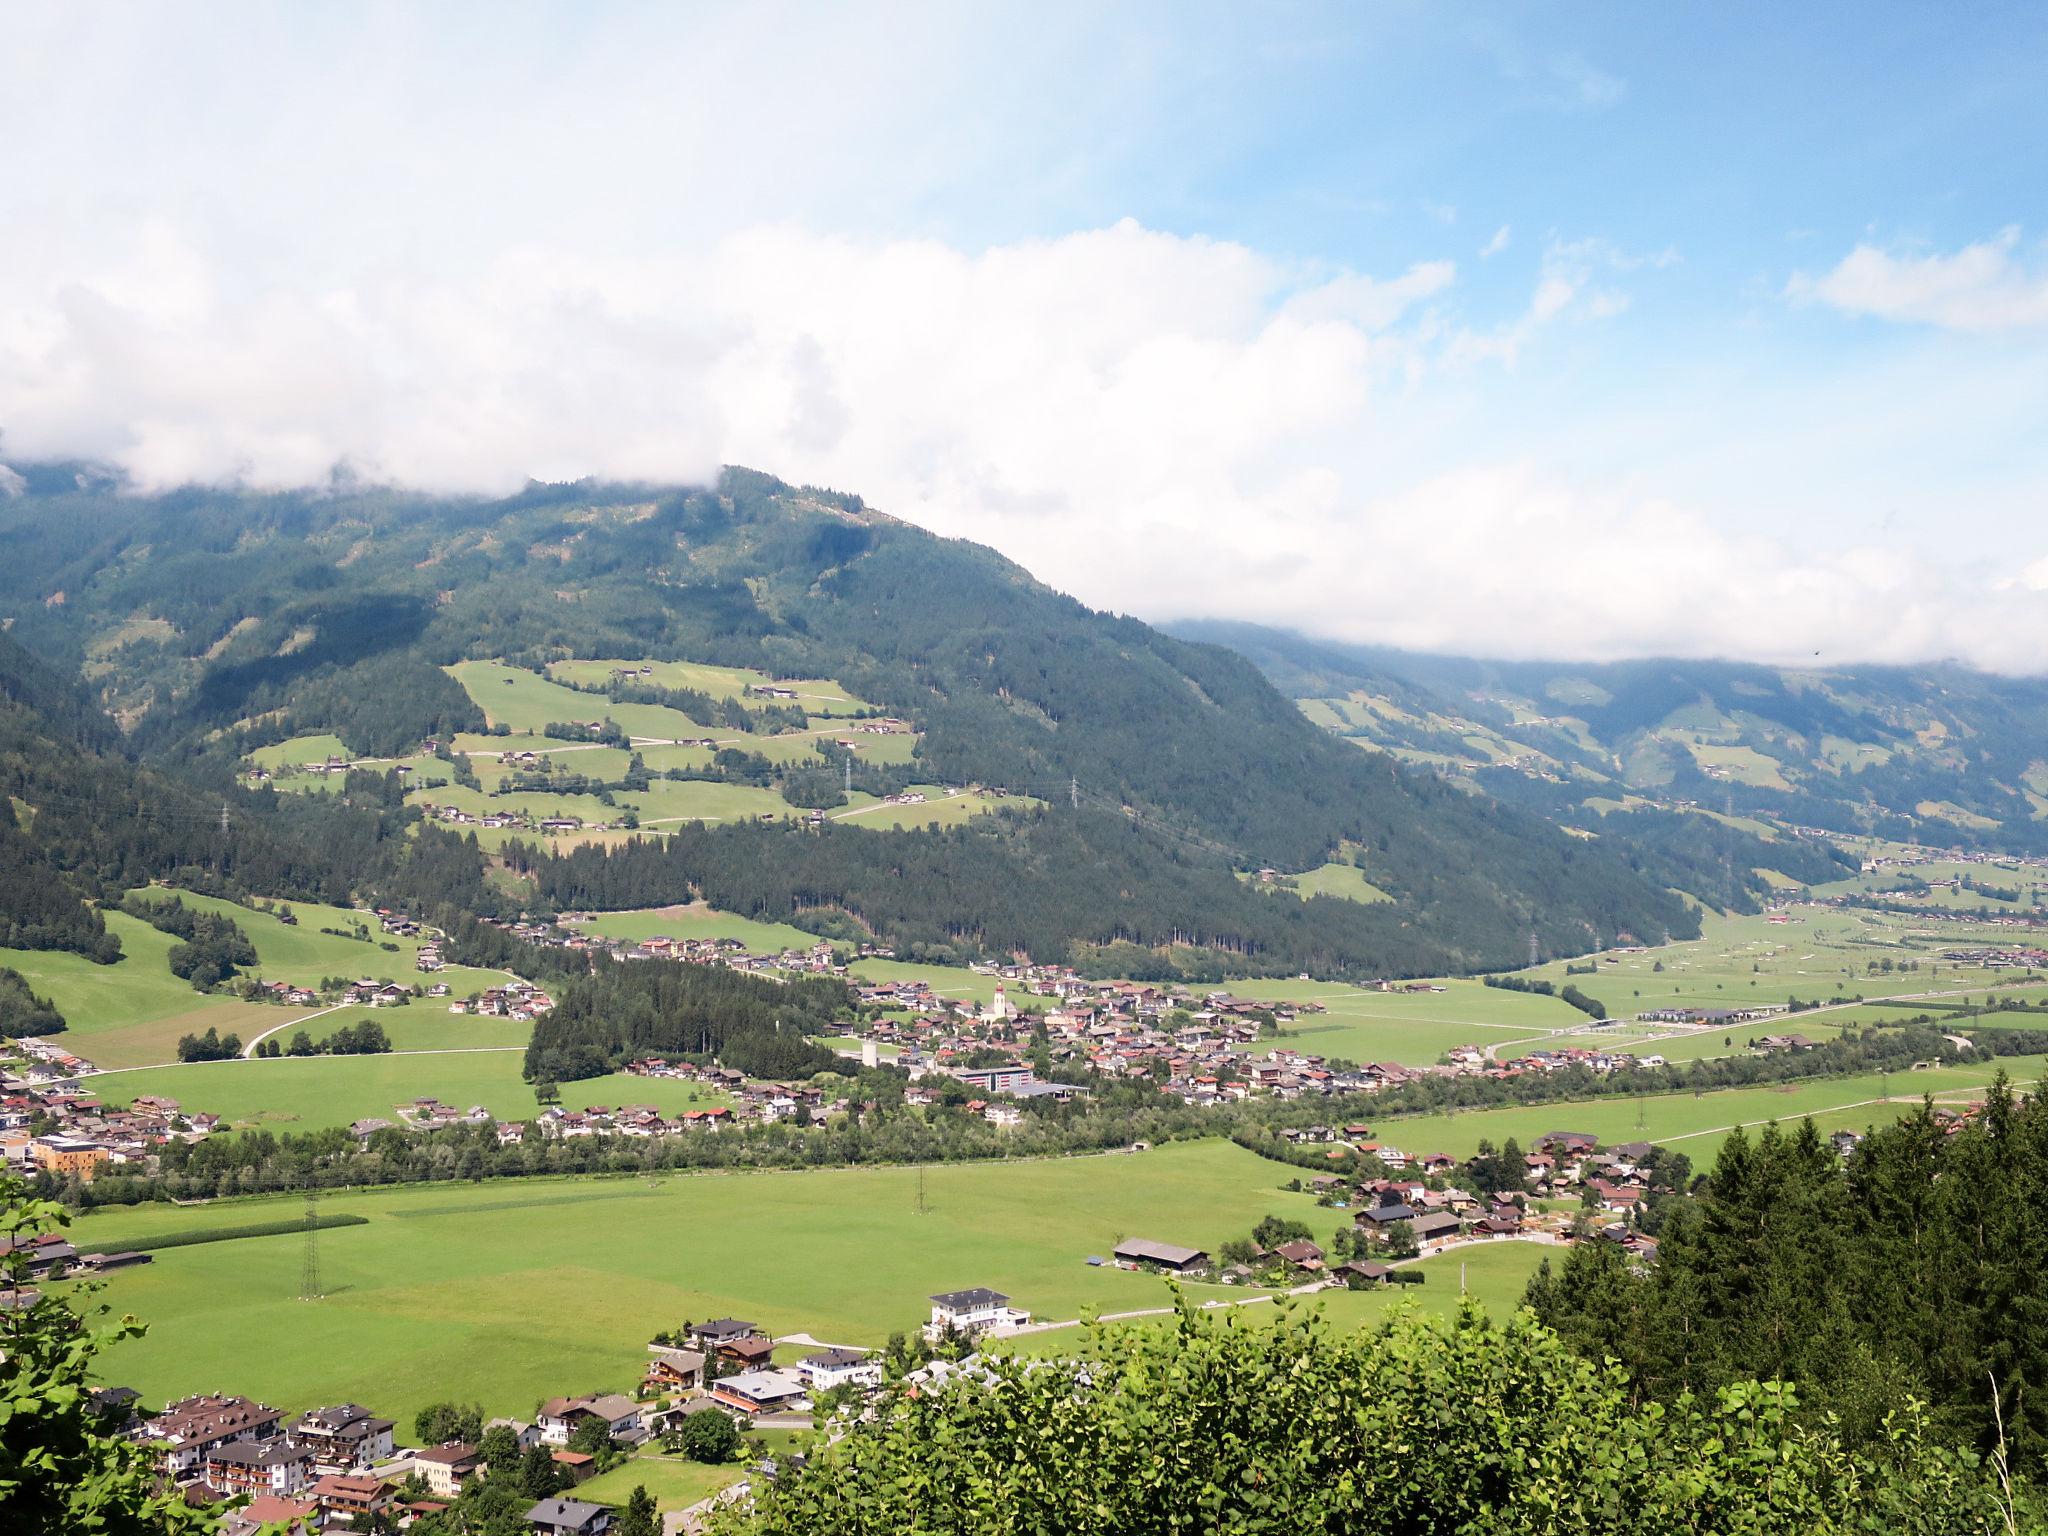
212 623
1940 753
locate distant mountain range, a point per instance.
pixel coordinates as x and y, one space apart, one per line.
1940 754
1165 773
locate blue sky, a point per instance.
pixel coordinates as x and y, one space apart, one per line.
1594 330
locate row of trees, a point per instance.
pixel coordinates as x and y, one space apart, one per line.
364 1038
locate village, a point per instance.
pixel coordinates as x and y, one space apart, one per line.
344 1467
1199 1046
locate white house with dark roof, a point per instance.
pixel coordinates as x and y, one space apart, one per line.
838 1368
978 1310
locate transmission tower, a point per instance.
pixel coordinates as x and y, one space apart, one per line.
921 1207
1534 953
223 818
309 1268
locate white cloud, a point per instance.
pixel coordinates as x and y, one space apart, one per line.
1496 245
1161 424
1982 287
11 482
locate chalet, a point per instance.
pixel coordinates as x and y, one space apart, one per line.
838 1368
346 1438
352 1499
759 1392
273 1465
1363 1269
672 1369
1302 1255
273 1512
978 1310
569 1517
1385 1215
1436 1227
723 1330
185 1431
561 1417
1146 1254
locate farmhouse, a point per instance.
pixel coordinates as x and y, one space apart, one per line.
1168 1256
724 1330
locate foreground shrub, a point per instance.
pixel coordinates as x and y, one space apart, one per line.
1418 1426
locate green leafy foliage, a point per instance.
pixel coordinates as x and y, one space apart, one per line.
710 1436
1461 1425
63 1465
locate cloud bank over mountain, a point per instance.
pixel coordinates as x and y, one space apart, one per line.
326 244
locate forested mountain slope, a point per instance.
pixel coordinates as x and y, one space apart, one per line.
212 622
80 822
1939 754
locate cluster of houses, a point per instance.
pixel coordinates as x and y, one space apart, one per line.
340 1468
512 819
2000 957
516 999
49 1123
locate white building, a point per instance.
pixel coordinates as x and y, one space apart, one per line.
979 1310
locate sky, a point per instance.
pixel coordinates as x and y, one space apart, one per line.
1581 331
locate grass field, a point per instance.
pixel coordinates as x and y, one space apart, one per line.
312 1092
132 1012
1494 1274
299 750
675 1482
509 1291
939 809
1823 953
947 981
1343 880
816 695
1413 1029
698 921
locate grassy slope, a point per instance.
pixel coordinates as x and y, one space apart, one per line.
132 1012
699 922
469 1292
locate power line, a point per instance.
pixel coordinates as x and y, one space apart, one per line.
309 1268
